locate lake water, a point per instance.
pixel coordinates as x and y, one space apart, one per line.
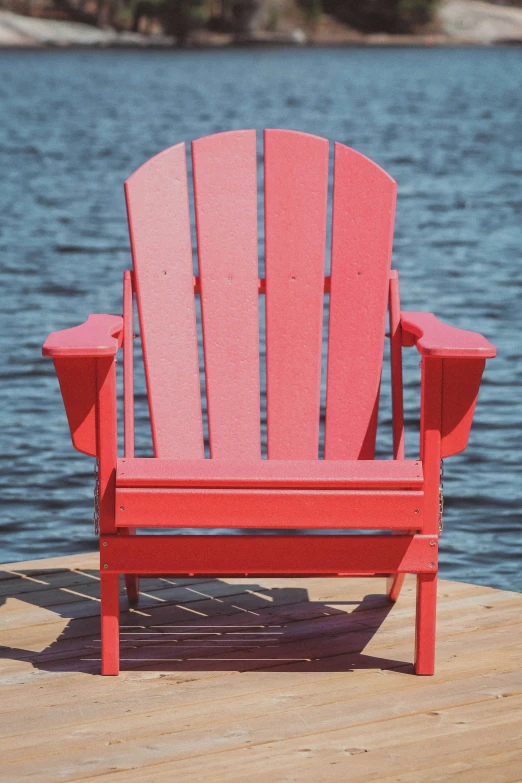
445 123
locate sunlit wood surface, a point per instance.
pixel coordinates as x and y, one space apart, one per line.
255 680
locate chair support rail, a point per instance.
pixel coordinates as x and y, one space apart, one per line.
271 508
255 555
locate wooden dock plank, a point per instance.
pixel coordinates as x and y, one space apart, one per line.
275 715
342 759
327 691
277 739
295 633
498 767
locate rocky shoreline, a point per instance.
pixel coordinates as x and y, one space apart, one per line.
462 22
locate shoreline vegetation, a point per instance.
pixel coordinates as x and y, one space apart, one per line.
224 23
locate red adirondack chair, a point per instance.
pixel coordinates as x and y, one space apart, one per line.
236 488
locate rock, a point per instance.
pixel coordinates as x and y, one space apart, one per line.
17 30
478 22
298 36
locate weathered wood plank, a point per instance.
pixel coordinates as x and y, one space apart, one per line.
87 706
327 707
287 613
499 767
361 755
336 720
62 563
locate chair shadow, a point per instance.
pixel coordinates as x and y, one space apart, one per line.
187 625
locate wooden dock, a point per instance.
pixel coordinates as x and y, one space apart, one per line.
234 680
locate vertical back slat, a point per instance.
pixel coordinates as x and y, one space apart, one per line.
225 187
362 234
296 193
394 307
128 365
159 222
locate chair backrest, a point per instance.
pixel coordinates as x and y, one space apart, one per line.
295 286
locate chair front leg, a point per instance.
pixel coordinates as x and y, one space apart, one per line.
431 422
107 453
425 623
110 623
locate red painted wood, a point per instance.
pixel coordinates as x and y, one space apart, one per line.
110 621
260 555
318 474
107 440
271 508
394 585
159 223
225 187
261 285
75 352
460 387
100 335
362 235
435 338
132 585
396 366
77 379
296 190
128 365
132 581
430 427
425 623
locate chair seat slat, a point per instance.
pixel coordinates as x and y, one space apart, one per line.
268 508
321 474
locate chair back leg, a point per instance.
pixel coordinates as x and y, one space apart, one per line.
132 584
393 586
110 623
425 623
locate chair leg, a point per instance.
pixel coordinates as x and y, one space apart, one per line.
425 623
110 623
393 585
132 583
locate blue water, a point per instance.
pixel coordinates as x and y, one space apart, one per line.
445 123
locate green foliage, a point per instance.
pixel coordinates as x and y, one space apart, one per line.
312 10
273 18
416 12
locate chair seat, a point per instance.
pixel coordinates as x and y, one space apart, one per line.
268 474
269 493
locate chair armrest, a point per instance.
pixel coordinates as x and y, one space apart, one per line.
84 358
453 361
100 335
435 338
